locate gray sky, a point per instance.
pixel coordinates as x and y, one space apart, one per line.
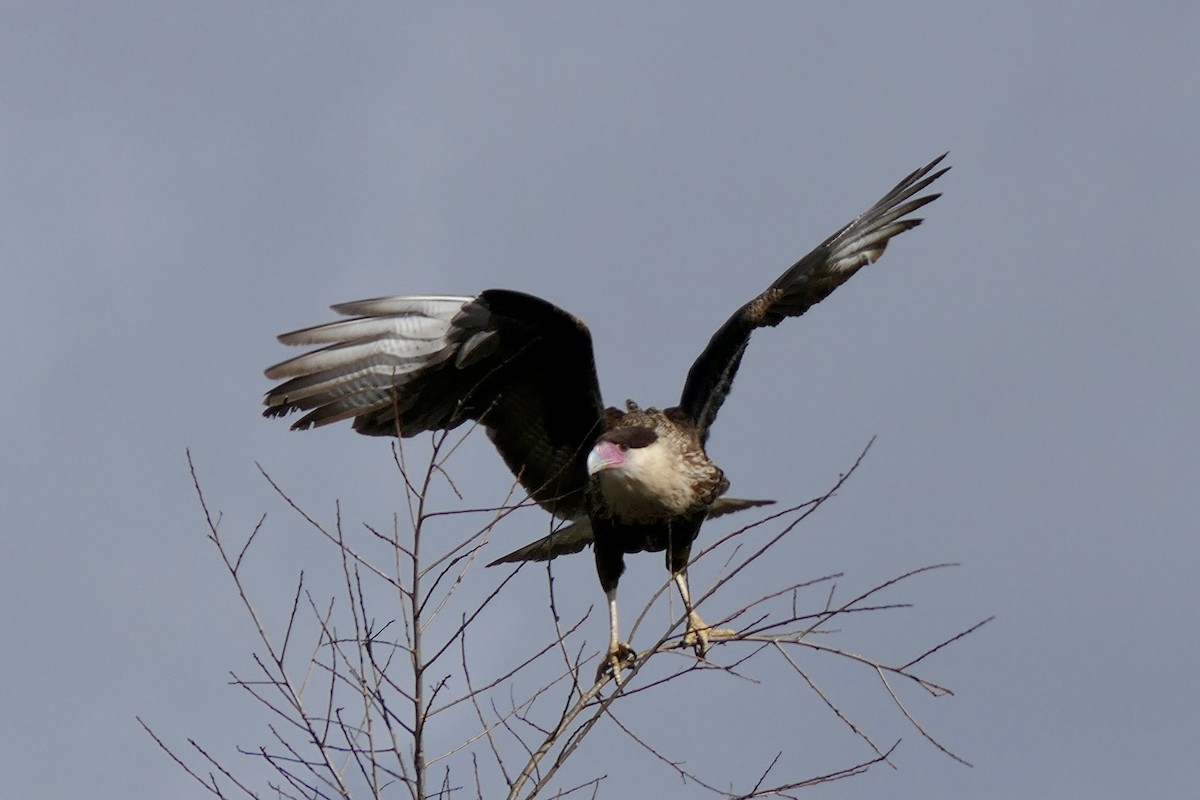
183 181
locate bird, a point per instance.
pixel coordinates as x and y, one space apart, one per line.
627 480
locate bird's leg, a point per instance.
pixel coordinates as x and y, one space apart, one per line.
679 551
610 563
698 632
619 653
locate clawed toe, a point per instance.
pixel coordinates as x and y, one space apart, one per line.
614 661
699 636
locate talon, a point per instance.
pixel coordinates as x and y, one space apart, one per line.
614 661
697 639
699 636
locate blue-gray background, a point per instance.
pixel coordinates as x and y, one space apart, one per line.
181 181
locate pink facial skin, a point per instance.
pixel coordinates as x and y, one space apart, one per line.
605 455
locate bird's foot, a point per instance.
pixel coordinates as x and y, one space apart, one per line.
617 657
699 636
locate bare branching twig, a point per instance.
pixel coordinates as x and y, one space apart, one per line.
363 702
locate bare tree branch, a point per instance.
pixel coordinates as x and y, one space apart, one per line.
362 709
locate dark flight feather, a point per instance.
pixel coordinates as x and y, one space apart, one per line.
809 281
407 365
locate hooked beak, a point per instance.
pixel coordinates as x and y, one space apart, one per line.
604 455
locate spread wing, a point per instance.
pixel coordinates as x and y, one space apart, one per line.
576 536
808 282
404 365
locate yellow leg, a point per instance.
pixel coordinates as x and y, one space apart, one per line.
619 653
699 634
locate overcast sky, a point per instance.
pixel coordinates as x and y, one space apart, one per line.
179 182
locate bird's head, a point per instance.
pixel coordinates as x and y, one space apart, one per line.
641 473
623 450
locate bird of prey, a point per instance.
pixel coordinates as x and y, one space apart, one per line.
633 480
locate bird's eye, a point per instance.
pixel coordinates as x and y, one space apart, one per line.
623 447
